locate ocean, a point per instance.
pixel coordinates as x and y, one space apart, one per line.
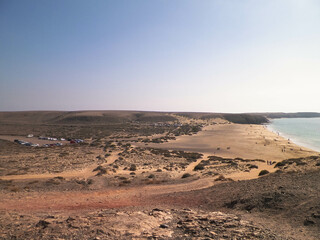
301 131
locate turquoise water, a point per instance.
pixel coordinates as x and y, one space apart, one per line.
302 131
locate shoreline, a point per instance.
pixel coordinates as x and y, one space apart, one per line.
294 139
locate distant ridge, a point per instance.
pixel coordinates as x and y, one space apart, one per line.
293 115
115 117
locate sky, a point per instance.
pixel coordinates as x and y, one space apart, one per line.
160 55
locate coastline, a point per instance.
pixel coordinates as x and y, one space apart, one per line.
300 141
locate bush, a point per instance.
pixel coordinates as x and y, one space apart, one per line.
133 167
220 178
198 167
263 172
280 164
186 175
252 166
151 176
99 168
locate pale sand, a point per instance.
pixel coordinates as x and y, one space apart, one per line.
238 140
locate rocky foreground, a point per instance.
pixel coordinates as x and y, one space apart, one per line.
131 224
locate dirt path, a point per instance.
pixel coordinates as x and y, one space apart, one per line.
111 198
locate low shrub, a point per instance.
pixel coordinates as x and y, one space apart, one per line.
133 167
220 178
280 164
263 172
186 175
252 166
198 167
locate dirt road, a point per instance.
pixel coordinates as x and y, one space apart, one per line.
110 198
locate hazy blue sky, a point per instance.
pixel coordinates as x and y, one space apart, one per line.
167 55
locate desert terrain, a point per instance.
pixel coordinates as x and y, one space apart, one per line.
151 175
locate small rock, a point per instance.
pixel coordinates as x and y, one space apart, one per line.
308 222
213 233
230 225
157 209
316 215
164 226
70 219
42 223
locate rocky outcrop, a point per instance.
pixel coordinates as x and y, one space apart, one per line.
144 224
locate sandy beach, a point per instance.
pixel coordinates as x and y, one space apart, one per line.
238 141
